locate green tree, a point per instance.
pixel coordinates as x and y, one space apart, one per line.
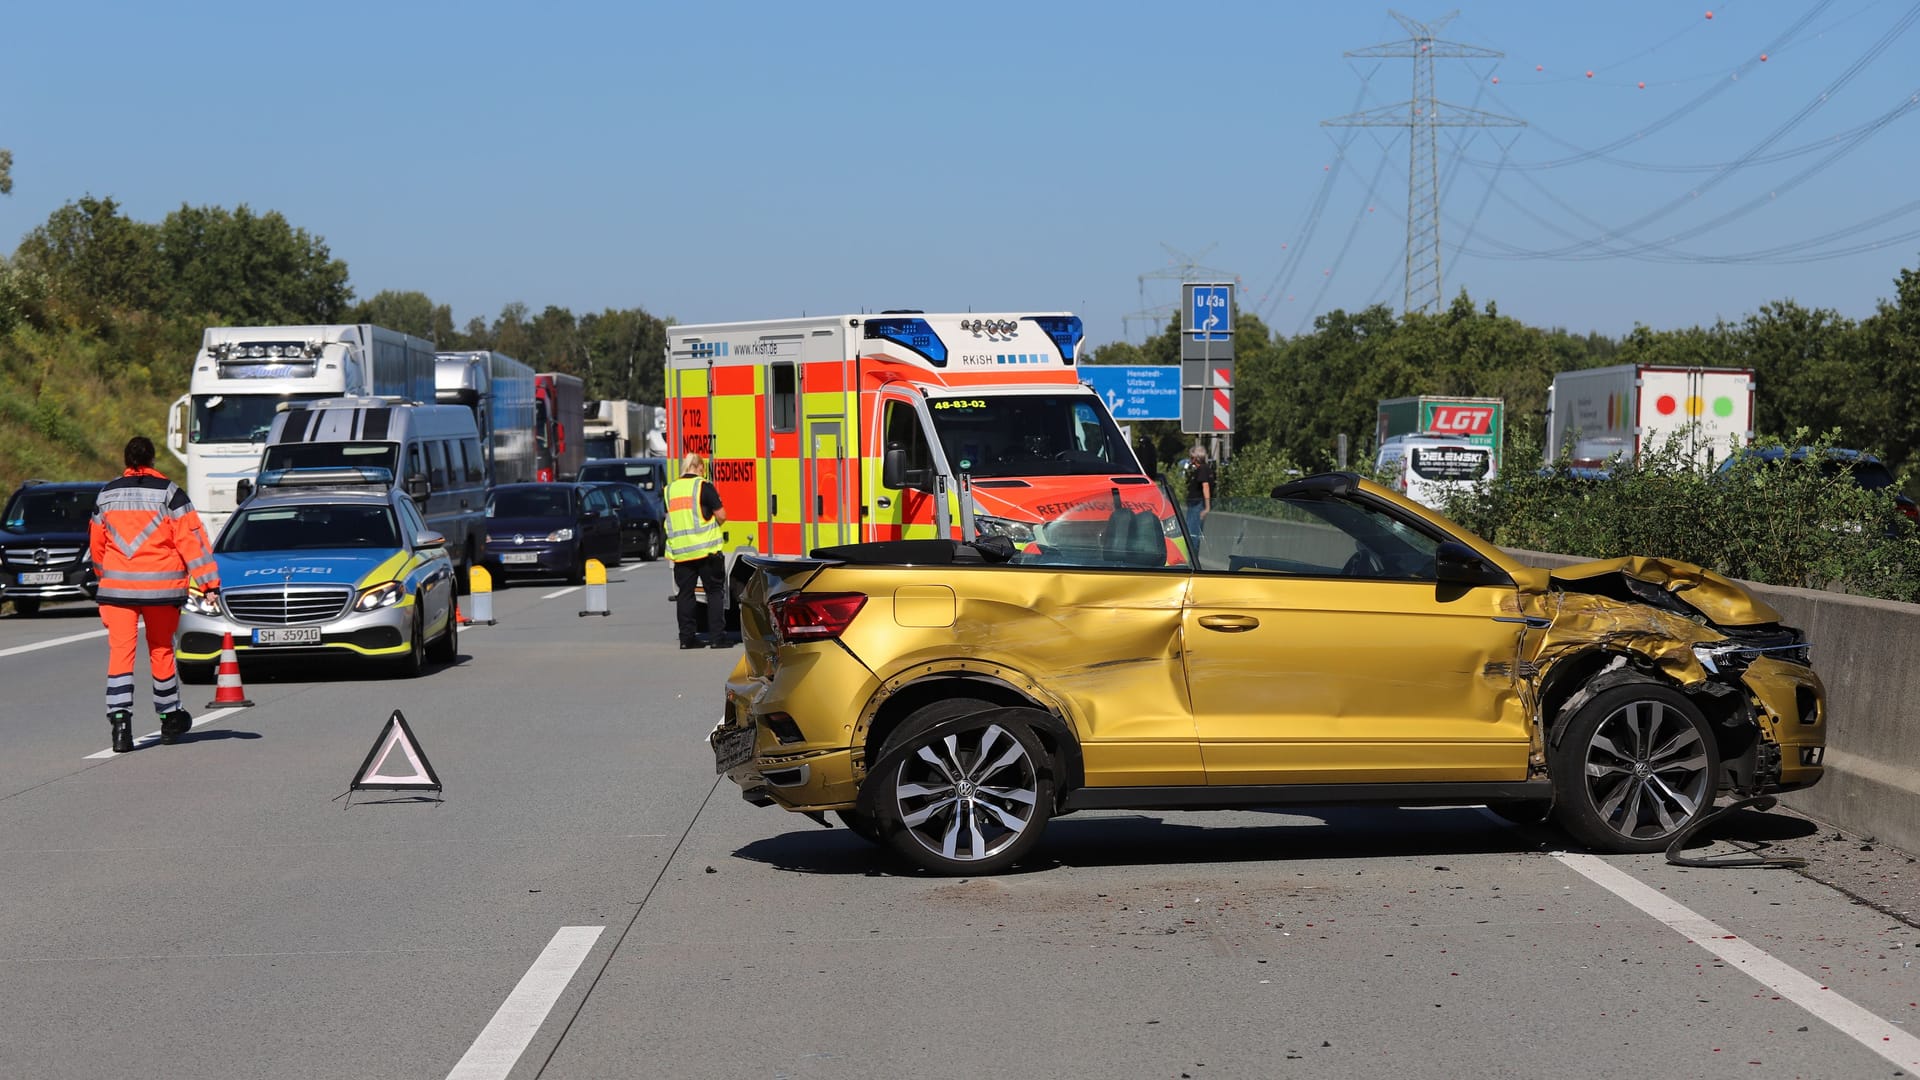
240 267
410 313
94 260
6 172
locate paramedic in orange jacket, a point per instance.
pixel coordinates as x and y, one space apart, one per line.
147 546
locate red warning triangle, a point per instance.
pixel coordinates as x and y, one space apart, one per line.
411 770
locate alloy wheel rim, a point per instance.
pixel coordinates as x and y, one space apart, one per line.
1647 770
968 796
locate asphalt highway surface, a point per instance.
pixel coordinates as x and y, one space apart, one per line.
588 902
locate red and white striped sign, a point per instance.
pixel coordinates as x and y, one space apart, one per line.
1223 399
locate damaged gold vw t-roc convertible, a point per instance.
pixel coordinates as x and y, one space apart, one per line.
1335 643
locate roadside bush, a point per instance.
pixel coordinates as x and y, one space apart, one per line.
1789 521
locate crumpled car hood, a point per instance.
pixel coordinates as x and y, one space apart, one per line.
1668 583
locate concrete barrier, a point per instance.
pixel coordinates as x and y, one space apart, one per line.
1864 651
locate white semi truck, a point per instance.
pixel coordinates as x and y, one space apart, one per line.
243 375
1627 410
617 429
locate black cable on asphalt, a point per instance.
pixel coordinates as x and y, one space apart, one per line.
638 908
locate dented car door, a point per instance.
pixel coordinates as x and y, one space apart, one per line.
1321 649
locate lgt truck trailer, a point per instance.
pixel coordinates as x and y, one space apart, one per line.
1482 420
243 375
846 428
1630 410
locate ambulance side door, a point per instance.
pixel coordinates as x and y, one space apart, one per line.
903 512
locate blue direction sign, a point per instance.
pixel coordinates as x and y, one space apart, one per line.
1136 391
1209 312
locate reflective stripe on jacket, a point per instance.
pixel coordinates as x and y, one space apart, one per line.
689 535
147 542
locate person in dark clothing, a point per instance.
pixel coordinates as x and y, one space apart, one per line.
1200 487
1149 458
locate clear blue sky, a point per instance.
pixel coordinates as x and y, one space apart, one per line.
732 161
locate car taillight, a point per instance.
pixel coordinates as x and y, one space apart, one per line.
815 616
1912 511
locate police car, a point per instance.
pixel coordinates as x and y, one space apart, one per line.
326 562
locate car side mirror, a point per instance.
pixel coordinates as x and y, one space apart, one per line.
428 540
1455 563
242 491
590 515
418 488
895 474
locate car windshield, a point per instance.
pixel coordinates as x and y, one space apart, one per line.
1317 536
529 503
633 472
1029 435
238 418
327 455
310 528
49 511
1871 475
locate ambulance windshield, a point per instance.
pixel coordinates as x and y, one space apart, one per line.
1029 435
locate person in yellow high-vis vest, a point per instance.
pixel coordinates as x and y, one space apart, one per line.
694 517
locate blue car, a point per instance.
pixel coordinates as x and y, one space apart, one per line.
326 562
550 530
1864 469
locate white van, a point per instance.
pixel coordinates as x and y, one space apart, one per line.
432 451
1429 466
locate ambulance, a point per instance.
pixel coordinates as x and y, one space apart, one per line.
842 429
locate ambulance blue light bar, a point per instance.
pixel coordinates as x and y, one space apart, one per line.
1065 330
914 334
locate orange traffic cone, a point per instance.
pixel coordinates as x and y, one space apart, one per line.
460 616
227 692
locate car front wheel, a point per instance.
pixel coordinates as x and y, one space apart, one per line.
415 659
962 795
1635 766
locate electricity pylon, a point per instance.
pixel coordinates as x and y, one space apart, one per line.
1183 268
1422 115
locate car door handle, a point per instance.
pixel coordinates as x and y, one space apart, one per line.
1532 622
1229 624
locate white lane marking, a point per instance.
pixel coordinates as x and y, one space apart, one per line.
153 737
50 643
557 593
493 1055
1856 1023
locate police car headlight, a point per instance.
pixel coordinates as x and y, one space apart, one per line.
559 536
384 595
1017 531
202 604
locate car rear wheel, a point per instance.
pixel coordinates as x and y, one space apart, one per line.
656 546
965 794
1635 766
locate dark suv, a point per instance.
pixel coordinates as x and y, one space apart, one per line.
43 544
